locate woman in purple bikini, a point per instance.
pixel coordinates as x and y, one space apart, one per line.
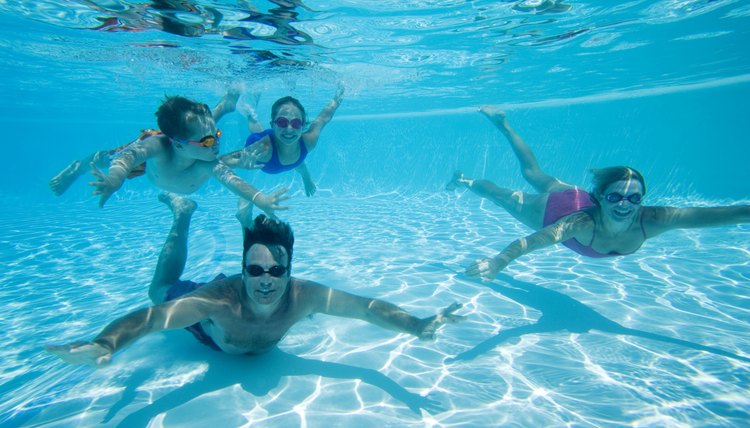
607 222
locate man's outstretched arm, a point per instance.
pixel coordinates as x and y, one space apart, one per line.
120 333
381 313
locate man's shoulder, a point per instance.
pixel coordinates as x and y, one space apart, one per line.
222 285
306 284
307 289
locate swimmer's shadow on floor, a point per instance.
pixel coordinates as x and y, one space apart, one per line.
563 313
257 375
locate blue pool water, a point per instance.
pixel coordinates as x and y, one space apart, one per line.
657 338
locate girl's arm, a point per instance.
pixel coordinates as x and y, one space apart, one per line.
313 132
310 187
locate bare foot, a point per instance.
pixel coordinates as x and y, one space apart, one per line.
456 181
227 104
60 183
178 204
492 112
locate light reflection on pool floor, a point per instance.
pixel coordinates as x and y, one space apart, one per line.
657 338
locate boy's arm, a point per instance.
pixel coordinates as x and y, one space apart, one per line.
131 156
248 157
379 312
174 314
243 189
313 132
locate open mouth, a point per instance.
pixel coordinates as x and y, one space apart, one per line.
622 214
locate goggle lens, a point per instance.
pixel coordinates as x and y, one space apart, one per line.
615 197
275 271
283 122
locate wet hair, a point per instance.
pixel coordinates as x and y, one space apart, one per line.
604 177
287 100
269 232
174 112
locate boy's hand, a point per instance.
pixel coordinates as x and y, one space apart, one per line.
105 185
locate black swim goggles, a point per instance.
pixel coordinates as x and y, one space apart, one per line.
615 197
275 271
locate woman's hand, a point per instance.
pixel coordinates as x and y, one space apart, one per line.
487 268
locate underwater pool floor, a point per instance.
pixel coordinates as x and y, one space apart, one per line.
659 338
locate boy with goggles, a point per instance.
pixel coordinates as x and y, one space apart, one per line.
181 157
246 313
101 159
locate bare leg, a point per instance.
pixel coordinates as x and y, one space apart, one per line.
244 214
65 178
227 104
174 252
541 181
525 207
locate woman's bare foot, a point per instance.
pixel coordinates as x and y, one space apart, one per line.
492 112
458 180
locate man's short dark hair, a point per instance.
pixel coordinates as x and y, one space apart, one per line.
173 112
269 232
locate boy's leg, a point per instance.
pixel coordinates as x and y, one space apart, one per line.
65 178
174 252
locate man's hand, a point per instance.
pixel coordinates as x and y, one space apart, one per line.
446 316
89 353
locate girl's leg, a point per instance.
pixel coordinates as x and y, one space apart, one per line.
244 214
174 252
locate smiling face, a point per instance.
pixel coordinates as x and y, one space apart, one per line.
623 210
266 290
287 135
